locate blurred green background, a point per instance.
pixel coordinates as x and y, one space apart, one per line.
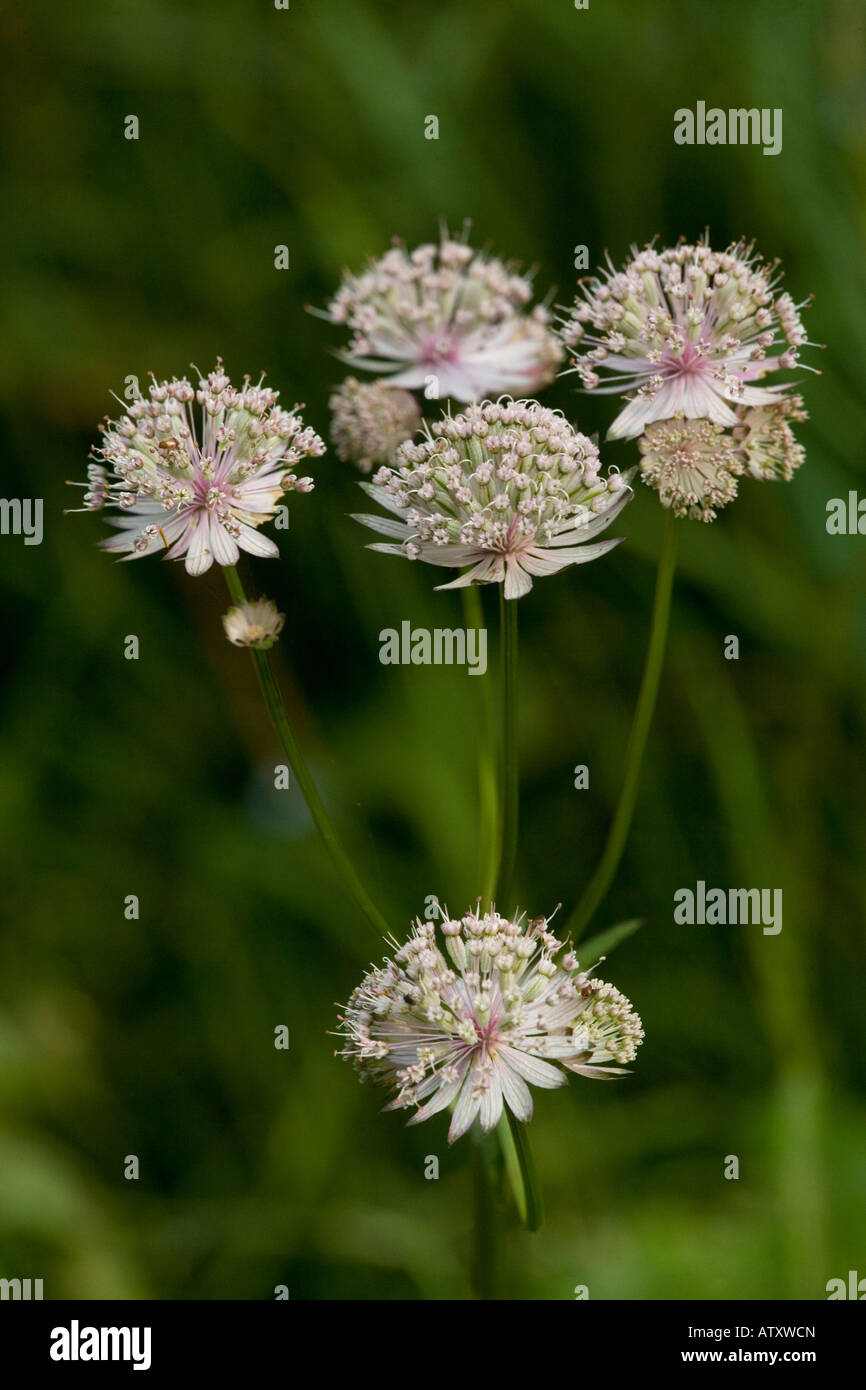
155 1037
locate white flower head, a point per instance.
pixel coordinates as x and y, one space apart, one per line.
448 319
473 1012
199 491
684 331
509 488
369 419
255 623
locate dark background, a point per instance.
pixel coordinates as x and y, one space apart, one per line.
155 1037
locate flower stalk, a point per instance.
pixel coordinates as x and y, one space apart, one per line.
488 791
615 844
510 765
486 1227
280 720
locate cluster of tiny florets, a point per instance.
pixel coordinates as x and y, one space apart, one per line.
199 492
509 487
686 330
369 420
468 1012
695 464
449 319
766 441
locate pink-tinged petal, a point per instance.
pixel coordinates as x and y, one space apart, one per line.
199 556
533 1069
515 1092
440 1100
142 514
261 494
466 1109
715 410
257 544
225 550
119 544
385 525
539 562
517 581
179 548
600 1073
757 395
491 1102
490 570
633 420
685 391
702 404
451 556
584 530
386 548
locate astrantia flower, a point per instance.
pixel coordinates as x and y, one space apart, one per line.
199 493
508 487
447 312
693 464
767 441
468 1013
370 419
687 330
255 623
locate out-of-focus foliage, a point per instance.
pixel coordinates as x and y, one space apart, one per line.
154 1037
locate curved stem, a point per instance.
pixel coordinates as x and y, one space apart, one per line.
488 796
510 770
277 711
607 866
516 1151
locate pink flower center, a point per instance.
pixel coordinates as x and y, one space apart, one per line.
690 362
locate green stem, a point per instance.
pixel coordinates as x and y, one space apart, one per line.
488 797
514 1138
510 768
486 1227
277 711
601 879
